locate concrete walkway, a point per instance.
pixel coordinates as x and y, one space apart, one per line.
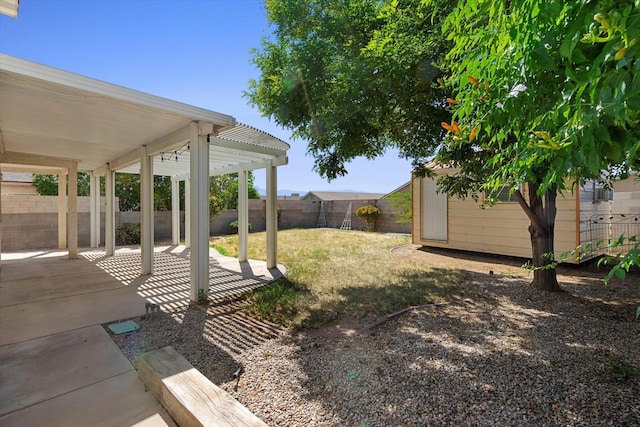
58 366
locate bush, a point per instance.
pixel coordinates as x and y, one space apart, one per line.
368 214
233 227
128 233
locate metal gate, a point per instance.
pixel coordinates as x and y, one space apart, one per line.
599 230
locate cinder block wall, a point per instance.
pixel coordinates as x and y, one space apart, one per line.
31 222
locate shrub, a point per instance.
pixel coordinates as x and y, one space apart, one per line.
368 214
233 227
128 233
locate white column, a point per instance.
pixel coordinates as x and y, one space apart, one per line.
0 219
98 212
199 173
92 209
272 216
72 222
62 210
146 211
243 216
109 214
187 212
175 211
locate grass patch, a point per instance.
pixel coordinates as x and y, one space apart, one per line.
221 249
333 274
276 302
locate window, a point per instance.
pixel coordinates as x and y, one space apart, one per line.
595 192
504 195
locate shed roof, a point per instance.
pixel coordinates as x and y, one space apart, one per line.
16 177
342 195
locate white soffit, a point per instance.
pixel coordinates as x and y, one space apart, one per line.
51 113
9 7
239 148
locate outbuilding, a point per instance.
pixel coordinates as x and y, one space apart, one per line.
587 216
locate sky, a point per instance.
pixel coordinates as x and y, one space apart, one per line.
192 51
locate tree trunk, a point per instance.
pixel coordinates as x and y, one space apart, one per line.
542 214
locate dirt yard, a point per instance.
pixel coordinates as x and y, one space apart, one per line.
503 354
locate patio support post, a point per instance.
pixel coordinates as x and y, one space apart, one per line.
243 216
146 211
62 210
94 210
272 215
199 173
0 213
98 212
175 211
72 221
187 212
109 215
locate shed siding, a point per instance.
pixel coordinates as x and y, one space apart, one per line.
501 230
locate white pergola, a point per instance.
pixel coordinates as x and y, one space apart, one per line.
54 121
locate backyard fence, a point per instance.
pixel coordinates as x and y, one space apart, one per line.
599 231
31 221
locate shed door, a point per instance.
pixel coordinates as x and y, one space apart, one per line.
434 211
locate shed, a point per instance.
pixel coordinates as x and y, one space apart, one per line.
55 121
588 214
17 183
331 196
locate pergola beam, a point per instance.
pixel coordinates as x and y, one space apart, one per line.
170 142
245 147
30 160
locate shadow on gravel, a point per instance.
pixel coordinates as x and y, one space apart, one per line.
410 288
502 353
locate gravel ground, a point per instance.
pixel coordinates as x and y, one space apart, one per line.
505 355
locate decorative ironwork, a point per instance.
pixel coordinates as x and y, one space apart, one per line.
601 229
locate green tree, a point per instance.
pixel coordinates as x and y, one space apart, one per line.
544 94
223 192
353 77
402 202
127 190
47 185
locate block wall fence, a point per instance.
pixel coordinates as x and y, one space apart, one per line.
31 221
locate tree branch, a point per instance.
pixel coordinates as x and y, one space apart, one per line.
533 217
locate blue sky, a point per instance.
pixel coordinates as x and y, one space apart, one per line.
192 51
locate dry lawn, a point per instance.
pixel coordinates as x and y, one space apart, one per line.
500 353
349 274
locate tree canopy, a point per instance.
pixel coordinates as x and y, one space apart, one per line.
532 94
550 90
47 185
353 77
543 94
223 190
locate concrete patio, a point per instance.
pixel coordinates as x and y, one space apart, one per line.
58 366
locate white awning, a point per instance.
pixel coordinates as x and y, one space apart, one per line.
49 115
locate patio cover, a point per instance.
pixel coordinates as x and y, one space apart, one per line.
54 121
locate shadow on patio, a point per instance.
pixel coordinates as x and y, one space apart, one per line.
55 357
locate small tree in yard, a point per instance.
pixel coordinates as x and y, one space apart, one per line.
368 214
402 203
544 94
47 185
